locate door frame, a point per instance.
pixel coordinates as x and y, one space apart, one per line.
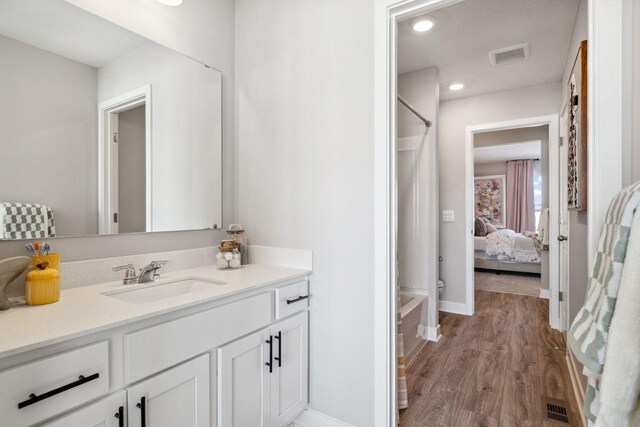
605 62
108 156
552 121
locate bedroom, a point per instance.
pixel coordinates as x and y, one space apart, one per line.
511 199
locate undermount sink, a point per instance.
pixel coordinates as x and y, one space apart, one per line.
150 292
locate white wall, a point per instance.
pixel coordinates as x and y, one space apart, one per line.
185 133
494 168
634 115
305 177
48 135
204 30
455 116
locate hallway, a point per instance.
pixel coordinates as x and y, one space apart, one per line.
495 368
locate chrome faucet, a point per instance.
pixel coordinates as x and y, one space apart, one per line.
148 273
151 272
129 276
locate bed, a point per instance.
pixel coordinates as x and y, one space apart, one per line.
497 263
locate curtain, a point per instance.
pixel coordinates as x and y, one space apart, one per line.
520 203
403 397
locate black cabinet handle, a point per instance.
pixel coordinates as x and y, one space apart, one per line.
300 298
270 362
34 398
120 416
279 358
143 411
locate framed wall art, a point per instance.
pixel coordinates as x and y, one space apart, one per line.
490 194
577 132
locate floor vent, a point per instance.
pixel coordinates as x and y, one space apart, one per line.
557 410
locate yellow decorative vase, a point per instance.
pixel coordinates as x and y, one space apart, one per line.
43 286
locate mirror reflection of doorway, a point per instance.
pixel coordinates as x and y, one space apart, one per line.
131 170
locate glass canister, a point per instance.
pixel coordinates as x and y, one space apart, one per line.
236 233
228 255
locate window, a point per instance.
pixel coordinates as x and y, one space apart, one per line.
537 190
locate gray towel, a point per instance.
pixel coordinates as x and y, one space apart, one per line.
590 329
26 221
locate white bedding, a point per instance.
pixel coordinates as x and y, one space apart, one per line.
510 246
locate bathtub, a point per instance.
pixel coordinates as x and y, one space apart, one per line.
412 306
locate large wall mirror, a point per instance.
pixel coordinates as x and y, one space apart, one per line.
101 130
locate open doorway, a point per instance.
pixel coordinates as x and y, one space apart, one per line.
492 94
511 175
124 177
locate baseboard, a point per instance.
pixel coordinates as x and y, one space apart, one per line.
578 391
544 293
433 334
311 418
454 307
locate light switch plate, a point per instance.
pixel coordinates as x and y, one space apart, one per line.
448 216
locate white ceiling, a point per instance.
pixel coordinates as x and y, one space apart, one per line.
465 33
63 29
505 152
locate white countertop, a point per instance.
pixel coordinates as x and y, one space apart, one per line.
85 310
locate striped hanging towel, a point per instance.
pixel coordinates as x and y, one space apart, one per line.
26 221
590 329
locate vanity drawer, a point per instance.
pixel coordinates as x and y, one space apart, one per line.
291 299
38 390
159 347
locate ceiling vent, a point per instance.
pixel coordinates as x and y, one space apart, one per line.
510 55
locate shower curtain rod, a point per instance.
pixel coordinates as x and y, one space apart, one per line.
414 111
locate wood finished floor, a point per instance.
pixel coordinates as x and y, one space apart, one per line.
495 368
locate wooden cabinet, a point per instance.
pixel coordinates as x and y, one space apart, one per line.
263 378
177 397
108 412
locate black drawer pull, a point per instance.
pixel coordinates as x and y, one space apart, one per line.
143 411
279 358
120 416
270 362
34 398
300 298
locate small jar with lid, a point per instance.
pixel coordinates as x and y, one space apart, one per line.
228 255
236 233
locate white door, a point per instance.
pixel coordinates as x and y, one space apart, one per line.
563 227
108 412
177 397
289 380
244 379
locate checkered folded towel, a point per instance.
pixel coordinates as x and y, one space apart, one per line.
590 329
26 221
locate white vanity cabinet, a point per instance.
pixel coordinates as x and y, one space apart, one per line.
177 397
240 362
263 377
107 412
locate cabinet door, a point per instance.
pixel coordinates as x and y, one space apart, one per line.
177 397
289 381
108 412
243 381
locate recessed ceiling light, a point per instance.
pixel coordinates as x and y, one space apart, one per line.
170 2
423 25
456 86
